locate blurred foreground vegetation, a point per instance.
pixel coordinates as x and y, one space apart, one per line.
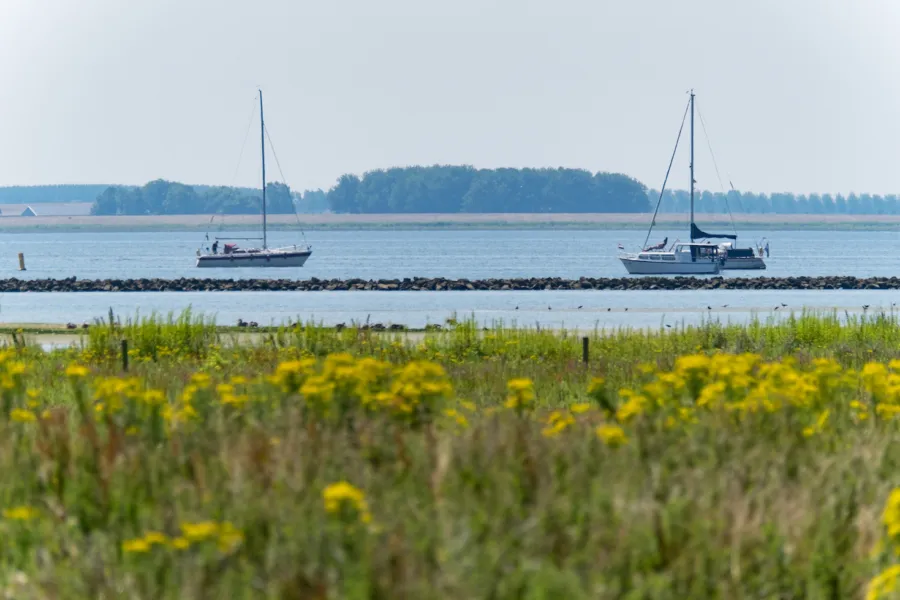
711 462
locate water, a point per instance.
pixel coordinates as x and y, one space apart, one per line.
473 254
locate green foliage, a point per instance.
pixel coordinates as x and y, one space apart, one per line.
111 487
453 189
162 197
678 201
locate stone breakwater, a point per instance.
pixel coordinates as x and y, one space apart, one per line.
72 284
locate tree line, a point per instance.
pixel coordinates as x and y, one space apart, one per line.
450 189
676 201
454 189
163 197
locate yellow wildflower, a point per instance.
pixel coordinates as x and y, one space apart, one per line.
612 435
22 416
521 394
229 537
884 584
76 372
196 532
138 545
180 543
891 515
340 494
581 407
20 513
155 537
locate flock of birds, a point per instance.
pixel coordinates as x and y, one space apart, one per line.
708 307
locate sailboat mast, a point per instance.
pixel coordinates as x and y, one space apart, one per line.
262 132
692 165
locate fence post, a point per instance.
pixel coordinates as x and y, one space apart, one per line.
125 355
21 261
585 349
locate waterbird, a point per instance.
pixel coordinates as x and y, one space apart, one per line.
517 307
709 307
865 307
783 304
777 307
580 307
70 326
548 308
626 309
724 306
241 323
608 309
667 325
254 324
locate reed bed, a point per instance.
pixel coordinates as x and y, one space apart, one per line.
718 461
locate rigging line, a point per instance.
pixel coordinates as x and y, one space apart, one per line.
719 177
284 181
240 158
668 171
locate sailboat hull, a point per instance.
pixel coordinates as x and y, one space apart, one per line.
647 267
264 259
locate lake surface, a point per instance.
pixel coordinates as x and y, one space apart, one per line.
473 254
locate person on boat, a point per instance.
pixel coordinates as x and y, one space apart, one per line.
660 246
767 249
215 247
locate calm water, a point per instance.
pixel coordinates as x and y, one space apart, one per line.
446 253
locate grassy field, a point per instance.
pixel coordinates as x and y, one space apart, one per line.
456 220
754 461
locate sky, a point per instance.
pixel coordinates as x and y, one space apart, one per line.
797 96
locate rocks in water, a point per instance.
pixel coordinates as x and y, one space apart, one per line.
71 284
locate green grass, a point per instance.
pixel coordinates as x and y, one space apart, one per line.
724 508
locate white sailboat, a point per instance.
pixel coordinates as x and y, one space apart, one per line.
233 256
682 258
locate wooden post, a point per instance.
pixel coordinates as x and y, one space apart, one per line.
125 355
21 261
585 349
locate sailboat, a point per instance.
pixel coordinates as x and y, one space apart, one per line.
233 256
682 258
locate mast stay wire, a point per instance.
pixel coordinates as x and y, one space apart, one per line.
668 172
284 181
718 176
236 168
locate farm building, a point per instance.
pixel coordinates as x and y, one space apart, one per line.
46 209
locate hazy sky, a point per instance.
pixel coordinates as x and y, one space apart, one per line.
797 95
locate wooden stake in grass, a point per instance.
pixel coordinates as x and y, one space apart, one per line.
585 349
125 355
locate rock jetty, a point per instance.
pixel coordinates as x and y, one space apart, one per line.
72 284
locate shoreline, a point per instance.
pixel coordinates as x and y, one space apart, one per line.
442 284
471 221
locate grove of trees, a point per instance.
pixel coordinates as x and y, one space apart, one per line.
448 189
453 189
162 197
778 203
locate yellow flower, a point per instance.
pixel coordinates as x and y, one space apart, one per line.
138 545
197 532
884 584
891 515
180 543
342 494
155 537
154 397
581 407
521 394
229 537
76 372
612 435
557 422
20 513
22 416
